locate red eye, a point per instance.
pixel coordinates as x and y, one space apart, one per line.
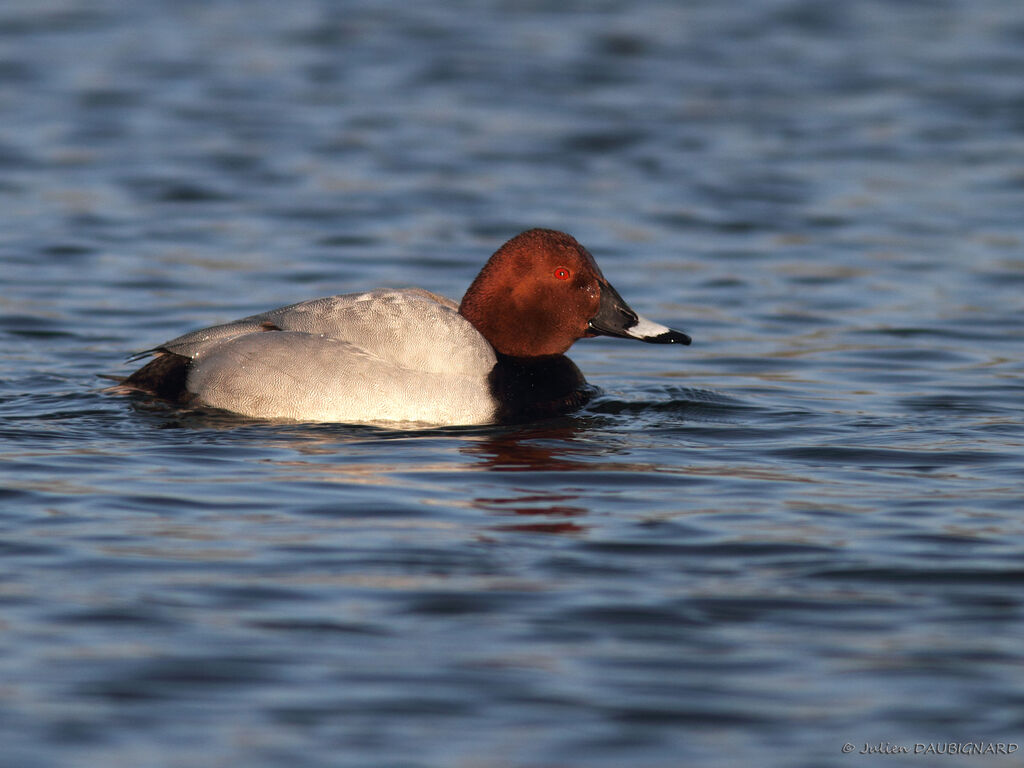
562 273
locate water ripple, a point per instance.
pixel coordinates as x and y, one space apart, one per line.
801 531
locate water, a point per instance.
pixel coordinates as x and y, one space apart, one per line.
804 531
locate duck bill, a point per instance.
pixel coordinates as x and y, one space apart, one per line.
615 318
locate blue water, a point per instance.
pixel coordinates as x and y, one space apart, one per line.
805 530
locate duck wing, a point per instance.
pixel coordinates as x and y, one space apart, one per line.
410 328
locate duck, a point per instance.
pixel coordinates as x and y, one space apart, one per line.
411 356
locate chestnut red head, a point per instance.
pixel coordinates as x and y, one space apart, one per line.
542 290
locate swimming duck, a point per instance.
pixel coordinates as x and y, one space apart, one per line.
410 355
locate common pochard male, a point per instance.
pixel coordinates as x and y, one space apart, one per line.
410 355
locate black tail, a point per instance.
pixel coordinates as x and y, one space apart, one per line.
164 376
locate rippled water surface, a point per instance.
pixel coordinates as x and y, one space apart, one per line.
804 531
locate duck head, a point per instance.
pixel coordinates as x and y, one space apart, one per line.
542 290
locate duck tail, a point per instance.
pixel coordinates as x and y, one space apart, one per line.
164 376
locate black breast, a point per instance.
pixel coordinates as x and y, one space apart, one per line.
528 388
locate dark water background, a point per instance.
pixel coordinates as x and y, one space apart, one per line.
805 530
